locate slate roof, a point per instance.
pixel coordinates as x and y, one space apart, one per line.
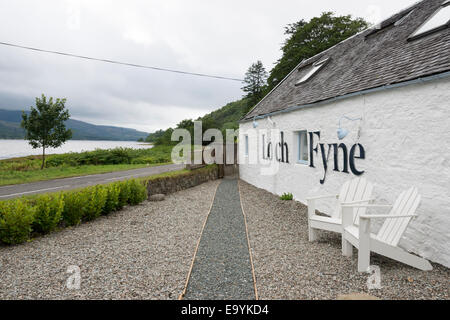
373 58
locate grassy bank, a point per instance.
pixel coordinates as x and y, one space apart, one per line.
27 169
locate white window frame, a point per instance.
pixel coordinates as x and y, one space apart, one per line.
425 30
246 145
263 139
316 67
300 147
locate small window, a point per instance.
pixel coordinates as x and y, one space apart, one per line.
302 146
246 145
438 21
314 69
263 146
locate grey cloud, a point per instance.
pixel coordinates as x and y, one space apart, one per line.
212 37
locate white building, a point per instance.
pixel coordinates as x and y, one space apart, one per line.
396 78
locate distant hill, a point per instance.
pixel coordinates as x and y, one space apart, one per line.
10 129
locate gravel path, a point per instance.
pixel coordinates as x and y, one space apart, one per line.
222 267
142 252
287 266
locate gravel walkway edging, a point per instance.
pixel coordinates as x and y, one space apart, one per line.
222 268
183 293
248 242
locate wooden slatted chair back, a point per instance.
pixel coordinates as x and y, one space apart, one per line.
358 189
392 229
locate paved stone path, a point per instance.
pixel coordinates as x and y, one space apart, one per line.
222 267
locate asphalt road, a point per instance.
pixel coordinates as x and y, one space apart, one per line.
18 190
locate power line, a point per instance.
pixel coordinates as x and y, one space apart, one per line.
119 62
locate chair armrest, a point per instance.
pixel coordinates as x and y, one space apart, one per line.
386 216
323 197
357 202
312 203
367 206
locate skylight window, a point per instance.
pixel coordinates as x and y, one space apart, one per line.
438 21
314 69
395 20
405 17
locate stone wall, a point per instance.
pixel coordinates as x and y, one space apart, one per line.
172 184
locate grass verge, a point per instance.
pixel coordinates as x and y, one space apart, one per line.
17 177
27 169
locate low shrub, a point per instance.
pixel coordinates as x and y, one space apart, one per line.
120 155
112 198
124 194
43 213
138 192
287 197
16 219
48 212
73 208
155 155
57 160
96 198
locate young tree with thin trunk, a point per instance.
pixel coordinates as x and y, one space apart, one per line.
45 125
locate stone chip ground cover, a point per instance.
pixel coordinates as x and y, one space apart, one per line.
287 266
145 252
142 252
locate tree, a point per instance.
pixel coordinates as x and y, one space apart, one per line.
45 125
306 39
255 82
153 136
187 124
165 138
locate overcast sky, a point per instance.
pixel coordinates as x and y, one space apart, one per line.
206 36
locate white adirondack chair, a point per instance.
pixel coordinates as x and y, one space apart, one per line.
386 241
356 191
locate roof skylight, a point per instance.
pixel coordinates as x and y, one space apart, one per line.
314 69
438 21
399 22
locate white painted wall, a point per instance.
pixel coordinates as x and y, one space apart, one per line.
406 135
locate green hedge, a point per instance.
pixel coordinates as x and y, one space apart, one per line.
16 219
48 212
21 218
